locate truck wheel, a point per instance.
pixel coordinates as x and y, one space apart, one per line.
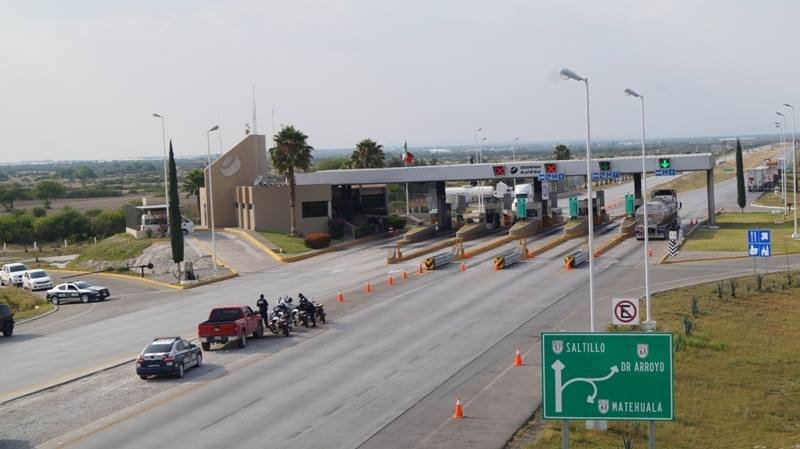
243 340
142 376
206 346
85 298
180 372
8 330
259 331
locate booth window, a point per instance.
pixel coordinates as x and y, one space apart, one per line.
312 209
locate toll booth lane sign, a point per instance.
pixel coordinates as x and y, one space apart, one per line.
613 376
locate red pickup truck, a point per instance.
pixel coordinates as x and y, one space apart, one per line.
230 323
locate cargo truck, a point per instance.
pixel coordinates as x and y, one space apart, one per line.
662 215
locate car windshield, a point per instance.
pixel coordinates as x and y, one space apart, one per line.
225 315
38 274
14 268
83 284
158 347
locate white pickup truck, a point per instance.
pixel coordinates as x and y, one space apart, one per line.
11 274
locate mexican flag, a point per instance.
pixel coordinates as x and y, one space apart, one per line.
408 158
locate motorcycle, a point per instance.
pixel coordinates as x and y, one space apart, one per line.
279 323
320 310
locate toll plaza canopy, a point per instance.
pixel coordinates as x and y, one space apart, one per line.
543 170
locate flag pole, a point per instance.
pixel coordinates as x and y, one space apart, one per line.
405 164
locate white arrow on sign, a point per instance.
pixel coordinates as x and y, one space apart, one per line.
559 366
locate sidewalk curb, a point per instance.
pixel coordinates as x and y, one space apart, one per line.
34 318
152 282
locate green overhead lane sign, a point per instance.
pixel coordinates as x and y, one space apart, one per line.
664 163
605 165
614 376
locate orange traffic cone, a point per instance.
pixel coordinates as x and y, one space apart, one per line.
459 412
650 252
405 274
420 269
340 296
518 359
389 279
463 267
368 287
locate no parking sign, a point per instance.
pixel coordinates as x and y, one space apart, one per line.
625 312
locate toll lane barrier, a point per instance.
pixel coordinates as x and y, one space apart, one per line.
439 260
574 259
506 259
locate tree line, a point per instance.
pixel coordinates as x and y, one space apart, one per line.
24 228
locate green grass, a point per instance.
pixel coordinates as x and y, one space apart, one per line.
736 376
289 245
24 304
732 233
117 247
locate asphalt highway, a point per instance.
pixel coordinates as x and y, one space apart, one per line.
380 361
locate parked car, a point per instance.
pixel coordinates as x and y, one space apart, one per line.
36 280
11 274
171 356
6 320
187 225
231 323
77 291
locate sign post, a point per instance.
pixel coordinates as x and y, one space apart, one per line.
607 376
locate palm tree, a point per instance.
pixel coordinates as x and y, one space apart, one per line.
192 183
291 152
368 154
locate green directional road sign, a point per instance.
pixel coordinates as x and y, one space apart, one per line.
605 165
607 376
664 163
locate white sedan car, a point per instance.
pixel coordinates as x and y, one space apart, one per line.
36 280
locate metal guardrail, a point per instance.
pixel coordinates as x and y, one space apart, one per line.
506 259
439 260
574 259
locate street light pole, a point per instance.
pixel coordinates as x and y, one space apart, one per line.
476 144
569 74
783 153
164 143
649 323
211 199
794 172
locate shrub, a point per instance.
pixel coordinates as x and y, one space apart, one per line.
364 230
38 212
317 240
396 222
67 224
108 223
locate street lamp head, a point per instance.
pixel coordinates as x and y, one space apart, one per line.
788 105
569 74
214 128
483 139
156 115
780 113
479 129
777 125
632 93
516 138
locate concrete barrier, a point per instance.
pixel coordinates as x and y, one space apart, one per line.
575 259
439 260
419 233
506 259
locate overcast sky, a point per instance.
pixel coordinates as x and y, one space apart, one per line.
80 79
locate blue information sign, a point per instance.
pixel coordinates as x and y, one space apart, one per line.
759 243
552 176
665 172
605 175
